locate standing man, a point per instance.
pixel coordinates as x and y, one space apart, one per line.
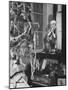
50 39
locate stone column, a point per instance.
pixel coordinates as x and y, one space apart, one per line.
59 27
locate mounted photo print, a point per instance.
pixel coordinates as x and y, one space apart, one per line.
37 44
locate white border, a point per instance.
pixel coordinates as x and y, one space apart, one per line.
4 42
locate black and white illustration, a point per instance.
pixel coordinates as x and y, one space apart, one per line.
37 44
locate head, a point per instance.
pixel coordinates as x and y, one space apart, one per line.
53 24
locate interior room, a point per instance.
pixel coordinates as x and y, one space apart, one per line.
37 44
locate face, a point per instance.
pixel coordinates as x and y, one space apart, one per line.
53 24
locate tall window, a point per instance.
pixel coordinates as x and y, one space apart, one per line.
38 14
